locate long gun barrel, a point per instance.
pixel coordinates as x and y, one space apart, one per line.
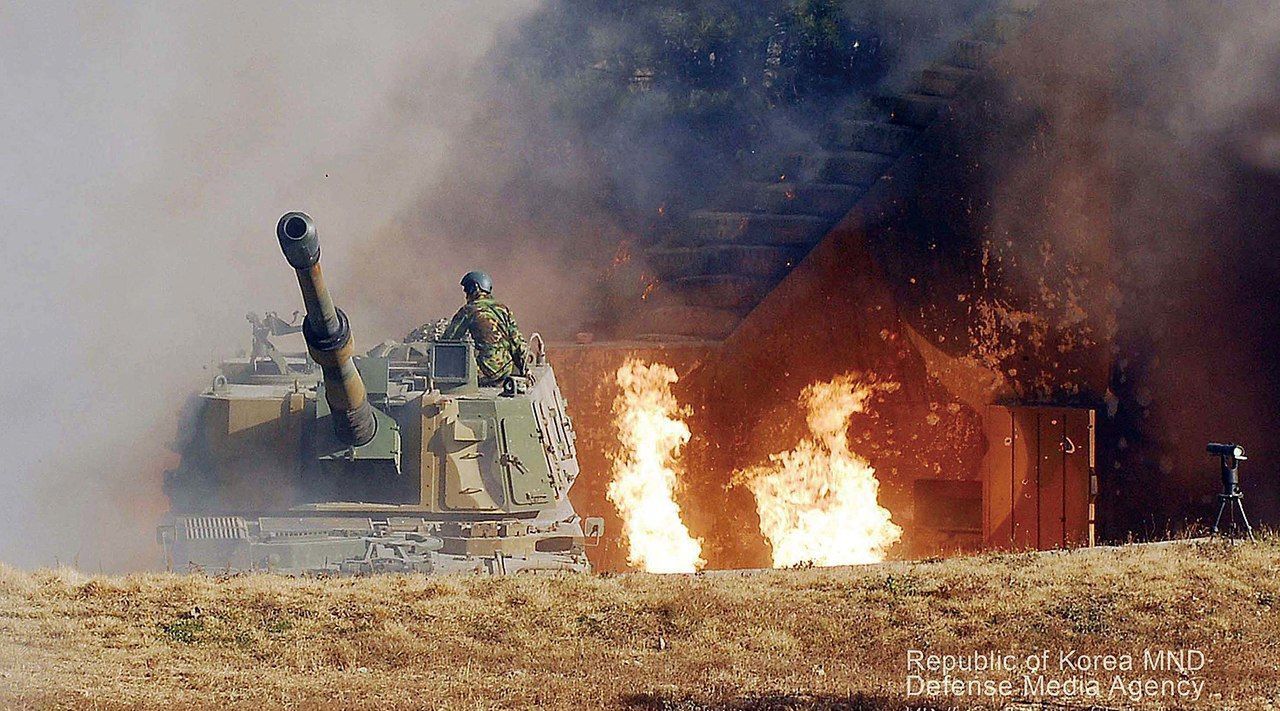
327 332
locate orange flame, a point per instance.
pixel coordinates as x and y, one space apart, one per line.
817 502
651 432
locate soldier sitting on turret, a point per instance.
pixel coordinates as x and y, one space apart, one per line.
500 349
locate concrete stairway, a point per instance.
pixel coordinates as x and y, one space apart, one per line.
724 259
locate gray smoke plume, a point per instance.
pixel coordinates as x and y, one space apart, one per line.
147 154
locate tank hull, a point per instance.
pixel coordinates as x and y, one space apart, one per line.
460 479
319 543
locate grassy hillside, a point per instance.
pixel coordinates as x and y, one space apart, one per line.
818 637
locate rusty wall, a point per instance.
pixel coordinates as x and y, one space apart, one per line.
832 315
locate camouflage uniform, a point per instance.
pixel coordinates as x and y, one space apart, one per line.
500 349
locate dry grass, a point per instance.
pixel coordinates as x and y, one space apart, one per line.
835 637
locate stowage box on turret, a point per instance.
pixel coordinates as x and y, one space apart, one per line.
328 462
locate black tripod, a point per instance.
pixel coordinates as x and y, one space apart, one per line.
1231 499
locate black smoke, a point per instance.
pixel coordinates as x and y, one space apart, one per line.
605 123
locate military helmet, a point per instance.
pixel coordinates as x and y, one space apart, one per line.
477 281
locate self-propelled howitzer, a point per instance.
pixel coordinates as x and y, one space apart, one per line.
328 462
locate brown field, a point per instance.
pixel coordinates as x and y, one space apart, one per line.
779 639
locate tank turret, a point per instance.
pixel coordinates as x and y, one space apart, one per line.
328 333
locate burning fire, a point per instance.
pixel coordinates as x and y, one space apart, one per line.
817 502
651 432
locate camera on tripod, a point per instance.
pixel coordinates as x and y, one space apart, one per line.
1231 500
